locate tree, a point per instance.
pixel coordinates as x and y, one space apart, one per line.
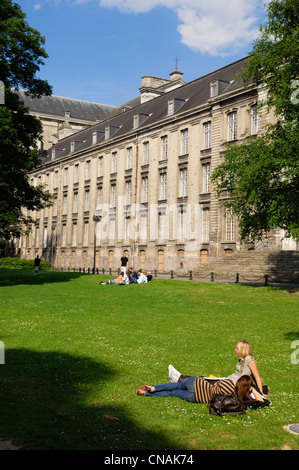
261 175
21 55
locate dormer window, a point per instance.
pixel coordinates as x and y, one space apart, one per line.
109 131
56 153
214 89
217 87
97 136
138 119
75 144
173 105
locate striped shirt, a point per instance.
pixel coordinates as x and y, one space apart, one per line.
204 390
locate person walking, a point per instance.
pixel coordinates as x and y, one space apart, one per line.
36 265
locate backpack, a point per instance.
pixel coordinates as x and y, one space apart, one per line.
225 404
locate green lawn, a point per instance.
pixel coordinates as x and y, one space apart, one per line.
75 353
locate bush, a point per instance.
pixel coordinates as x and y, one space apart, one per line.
20 263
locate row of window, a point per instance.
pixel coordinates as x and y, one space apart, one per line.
232 135
44 236
183 191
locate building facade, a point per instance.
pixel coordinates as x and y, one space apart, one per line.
139 181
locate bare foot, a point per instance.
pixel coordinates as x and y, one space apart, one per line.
147 388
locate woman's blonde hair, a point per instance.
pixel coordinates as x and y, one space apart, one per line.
244 349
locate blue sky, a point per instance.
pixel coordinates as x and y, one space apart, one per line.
99 49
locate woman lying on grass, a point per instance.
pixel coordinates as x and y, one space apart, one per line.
198 390
245 366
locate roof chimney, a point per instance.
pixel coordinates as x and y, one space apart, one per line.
176 75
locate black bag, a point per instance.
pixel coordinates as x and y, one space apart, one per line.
225 404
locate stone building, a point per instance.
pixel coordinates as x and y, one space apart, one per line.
139 181
61 117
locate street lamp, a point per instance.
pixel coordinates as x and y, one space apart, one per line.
52 245
96 218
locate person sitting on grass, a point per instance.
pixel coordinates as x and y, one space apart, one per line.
141 277
133 276
198 390
245 366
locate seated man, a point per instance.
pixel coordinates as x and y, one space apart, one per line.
141 277
133 276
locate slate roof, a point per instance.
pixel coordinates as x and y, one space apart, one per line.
56 106
193 95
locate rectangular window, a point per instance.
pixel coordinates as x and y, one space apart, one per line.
170 107
164 149
205 224
113 195
66 176
145 189
45 237
213 88
114 162
163 180
85 233
254 121
130 157
184 181
101 163
206 173
87 198
128 192
76 173
100 197
55 206
207 134
74 235
146 153
232 126
65 204
229 226
87 170
75 203
184 135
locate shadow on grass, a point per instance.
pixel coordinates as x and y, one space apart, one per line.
49 403
14 277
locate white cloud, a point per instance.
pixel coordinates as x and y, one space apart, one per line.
218 27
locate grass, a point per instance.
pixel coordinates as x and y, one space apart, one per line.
75 352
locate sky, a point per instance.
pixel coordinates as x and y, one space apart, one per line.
99 49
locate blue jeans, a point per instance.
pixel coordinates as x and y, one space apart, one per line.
183 390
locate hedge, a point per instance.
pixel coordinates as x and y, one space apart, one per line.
20 263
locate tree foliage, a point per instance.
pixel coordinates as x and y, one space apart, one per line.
261 175
21 55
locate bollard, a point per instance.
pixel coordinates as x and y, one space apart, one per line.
103 271
237 278
155 273
109 271
266 279
190 275
171 274
212 277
